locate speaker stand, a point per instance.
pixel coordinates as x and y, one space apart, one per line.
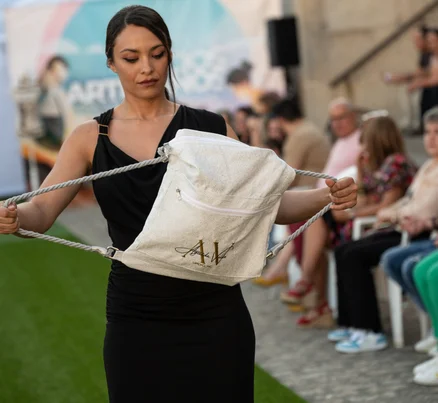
291 80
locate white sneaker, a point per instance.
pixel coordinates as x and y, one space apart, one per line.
425 345
340 334
429 377
425 366
361 341
433 351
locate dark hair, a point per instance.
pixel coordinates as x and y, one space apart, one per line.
432 31
288 109
56 59
145 17
246 109
269 99
240 74
424 30
273 144
49 65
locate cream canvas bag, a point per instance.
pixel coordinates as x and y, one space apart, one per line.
214 211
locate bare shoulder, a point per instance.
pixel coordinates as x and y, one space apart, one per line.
85 130
82 140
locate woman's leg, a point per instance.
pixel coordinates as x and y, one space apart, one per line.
355 262
392 259
315 241
428 292
432 281
344 320
426 278
311 290
313 259
407 272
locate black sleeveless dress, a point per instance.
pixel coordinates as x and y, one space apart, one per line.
167 340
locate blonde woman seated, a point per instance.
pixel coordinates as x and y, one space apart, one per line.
384 175
359 317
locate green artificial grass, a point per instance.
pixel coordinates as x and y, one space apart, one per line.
52 301
269 390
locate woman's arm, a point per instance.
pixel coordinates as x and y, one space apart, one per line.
73 162
298 206
428 80
388 199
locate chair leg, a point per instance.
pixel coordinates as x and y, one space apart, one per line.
396 311
332 290
424 323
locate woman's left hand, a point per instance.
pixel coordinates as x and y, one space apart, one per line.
343 193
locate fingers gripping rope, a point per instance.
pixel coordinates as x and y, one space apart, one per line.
164 157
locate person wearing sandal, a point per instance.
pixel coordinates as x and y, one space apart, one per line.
357 300
305 147
384 173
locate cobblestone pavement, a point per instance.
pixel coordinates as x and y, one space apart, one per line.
306 362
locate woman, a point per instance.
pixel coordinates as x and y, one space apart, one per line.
384 174
167 339
54 109
358 308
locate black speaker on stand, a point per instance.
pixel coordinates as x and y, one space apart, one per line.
284 49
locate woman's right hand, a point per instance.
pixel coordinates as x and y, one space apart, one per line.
9 222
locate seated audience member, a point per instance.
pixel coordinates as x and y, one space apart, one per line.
357 301
343 154
274 130
383 175
241 118
399 262
305 147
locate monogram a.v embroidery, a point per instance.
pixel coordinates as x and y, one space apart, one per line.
199 250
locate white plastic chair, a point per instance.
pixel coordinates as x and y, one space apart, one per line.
331 286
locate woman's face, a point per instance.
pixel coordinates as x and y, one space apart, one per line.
141 62
432 42
419 40
59 71
241 122
274 130
431 139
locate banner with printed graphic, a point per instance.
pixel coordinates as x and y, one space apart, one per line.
60 78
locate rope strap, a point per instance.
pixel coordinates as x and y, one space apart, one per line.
110 251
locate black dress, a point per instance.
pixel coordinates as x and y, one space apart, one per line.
167 340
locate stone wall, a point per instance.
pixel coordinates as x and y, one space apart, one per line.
335 33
